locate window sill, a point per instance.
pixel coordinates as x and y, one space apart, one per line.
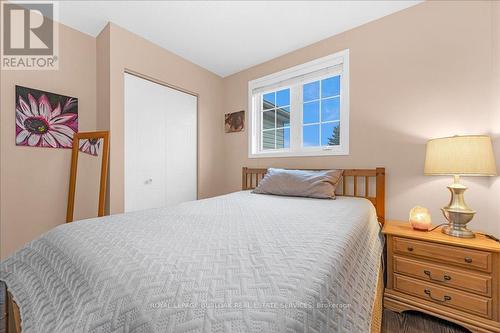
311 152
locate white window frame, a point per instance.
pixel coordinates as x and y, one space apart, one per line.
273 82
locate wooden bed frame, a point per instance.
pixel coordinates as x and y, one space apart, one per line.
250 179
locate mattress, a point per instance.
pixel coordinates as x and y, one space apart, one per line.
240 262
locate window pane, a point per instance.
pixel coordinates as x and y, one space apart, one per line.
310 113
283 117
283 97
310 91
268 139
330 87
268 119
310 135
269 101
330 134
283 138
330 109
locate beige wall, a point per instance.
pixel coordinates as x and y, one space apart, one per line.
420 73
129 52
429 71
102 76
494 196
102 89
34 181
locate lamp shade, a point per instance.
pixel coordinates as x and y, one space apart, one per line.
470 155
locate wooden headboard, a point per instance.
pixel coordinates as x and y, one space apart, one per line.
361 183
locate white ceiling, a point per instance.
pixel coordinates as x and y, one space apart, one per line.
226 37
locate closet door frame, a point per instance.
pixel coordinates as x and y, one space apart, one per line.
186 91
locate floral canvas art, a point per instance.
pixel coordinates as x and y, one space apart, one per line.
90 146
45 119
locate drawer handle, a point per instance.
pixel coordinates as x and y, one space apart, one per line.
410 248
445 277
468 260
445 298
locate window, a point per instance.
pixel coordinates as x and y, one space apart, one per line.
301 111
276 120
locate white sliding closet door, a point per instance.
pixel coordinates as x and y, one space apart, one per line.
160 145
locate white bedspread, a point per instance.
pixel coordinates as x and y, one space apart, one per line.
241 262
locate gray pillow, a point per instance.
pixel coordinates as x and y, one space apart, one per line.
300 183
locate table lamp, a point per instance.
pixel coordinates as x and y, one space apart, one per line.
470 155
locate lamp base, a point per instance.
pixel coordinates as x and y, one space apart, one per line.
457 231
457 213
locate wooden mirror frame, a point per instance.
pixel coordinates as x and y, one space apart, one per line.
104 135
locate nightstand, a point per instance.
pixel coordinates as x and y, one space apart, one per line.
452 278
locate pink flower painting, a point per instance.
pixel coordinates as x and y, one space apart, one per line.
90 146
45 119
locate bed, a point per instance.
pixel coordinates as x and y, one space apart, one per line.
240 262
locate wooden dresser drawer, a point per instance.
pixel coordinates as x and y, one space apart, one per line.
457 279
450 254
444 296
441 274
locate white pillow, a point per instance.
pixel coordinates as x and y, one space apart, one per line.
300 183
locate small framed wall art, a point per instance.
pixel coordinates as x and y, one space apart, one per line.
234 122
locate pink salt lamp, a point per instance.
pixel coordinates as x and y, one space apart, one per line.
420 219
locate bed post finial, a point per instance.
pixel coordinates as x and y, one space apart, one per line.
380 180
244 178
